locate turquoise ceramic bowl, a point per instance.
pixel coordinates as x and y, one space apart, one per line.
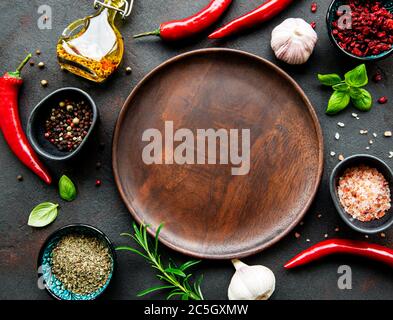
388 4
53 285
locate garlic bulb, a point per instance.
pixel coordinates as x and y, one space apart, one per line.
293 41
251 282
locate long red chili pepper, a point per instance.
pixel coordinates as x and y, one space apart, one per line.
185 28
10 123
333 246
261 14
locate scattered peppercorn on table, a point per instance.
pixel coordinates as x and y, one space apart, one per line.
98 202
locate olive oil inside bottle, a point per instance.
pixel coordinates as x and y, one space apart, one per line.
92 47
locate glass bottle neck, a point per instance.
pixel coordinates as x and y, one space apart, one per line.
111 13
115 3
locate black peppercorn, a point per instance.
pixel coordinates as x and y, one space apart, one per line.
67 124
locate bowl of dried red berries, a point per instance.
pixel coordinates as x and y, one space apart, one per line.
60 125
361 29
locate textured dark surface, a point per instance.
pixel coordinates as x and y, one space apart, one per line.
103 208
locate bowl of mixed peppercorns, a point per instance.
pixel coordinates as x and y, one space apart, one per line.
61 123
362 29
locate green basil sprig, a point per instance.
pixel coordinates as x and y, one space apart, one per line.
349 89
67 189
43 214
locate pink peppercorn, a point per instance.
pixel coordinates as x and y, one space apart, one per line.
98 183
314 7
377 77
313 24
382 100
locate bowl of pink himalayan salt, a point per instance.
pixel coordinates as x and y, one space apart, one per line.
361 188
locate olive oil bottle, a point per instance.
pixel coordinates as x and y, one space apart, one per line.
93 47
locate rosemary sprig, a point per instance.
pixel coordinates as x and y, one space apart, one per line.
174 277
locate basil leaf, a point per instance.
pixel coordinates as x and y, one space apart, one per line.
355 93
67 189
341 87
337 102
364 101
329 79
357 77
43 214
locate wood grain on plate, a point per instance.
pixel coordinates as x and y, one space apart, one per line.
207 211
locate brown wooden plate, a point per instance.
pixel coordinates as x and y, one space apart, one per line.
207 211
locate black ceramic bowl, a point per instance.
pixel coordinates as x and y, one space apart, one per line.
374 226
330 17
36 123
47 280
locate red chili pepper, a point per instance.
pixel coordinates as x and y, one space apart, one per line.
261 14
10 123
333 246
188 27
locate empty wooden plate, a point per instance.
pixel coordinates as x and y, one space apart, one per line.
207 211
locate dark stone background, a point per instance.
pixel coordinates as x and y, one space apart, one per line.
102 207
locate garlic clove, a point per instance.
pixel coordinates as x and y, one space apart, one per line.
293 41
251 282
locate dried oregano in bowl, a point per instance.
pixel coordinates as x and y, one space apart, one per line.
82 263
77 263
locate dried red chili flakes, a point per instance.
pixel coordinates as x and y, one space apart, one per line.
370 31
